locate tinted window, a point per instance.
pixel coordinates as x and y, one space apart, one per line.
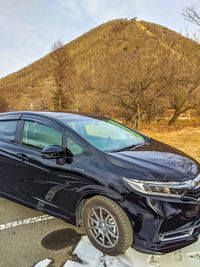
75 148
7 130
38 135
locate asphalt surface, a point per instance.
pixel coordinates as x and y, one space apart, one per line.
28 236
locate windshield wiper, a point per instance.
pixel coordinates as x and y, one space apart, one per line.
146 142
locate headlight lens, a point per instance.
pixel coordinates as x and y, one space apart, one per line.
169 189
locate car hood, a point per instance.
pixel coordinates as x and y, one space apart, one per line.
155 161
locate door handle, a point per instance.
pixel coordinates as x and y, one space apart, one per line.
23 156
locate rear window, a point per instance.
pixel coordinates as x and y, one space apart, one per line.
7 130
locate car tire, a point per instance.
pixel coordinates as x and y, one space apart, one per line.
107 225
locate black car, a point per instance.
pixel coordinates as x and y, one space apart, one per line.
125 188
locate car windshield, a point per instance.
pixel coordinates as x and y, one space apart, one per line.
104 134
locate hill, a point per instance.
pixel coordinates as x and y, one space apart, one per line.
119 67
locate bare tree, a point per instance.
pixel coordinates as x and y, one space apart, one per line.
97 85
142 99
192 14
60 67
147 89
183 100
190 35
139 87
3 105
198 110
182 85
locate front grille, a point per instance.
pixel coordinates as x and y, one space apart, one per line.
180 233
195 193
175 235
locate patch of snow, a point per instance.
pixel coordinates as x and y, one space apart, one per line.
43 263
91 257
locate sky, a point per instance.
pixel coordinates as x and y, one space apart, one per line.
29 27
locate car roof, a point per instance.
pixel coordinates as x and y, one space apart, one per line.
53 115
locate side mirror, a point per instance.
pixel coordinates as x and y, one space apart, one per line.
53 152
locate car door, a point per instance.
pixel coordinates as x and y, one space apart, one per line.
8 159
49 183
38 178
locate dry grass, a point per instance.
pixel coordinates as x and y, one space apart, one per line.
187 139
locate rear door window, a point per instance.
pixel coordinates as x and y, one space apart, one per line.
8 130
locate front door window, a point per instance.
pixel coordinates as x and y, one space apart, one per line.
39 136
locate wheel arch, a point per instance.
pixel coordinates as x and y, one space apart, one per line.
106 192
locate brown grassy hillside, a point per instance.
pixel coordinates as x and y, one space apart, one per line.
119 50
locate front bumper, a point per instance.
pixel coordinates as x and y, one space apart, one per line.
172 225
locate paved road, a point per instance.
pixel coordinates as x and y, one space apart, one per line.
28 236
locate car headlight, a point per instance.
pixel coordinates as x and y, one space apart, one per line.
169 189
